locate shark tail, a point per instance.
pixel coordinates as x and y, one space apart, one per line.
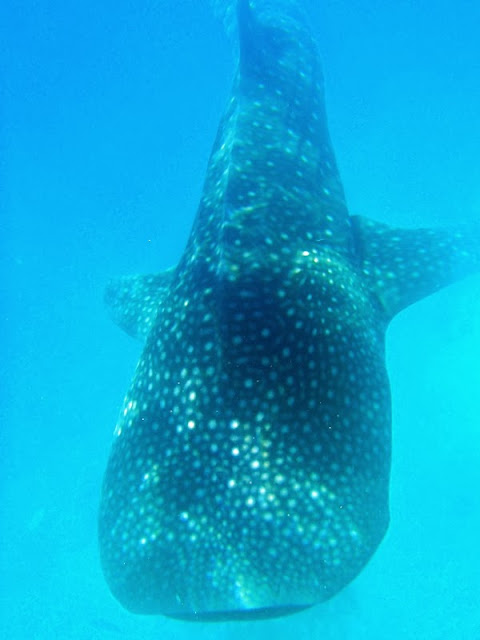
227 10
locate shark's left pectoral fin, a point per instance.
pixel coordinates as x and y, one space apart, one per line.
134 301
402 266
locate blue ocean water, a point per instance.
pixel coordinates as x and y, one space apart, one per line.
109 112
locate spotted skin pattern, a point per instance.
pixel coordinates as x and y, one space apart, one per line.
250 466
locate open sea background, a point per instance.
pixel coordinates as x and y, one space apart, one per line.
108 112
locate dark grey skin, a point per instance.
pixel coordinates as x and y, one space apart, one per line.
249 473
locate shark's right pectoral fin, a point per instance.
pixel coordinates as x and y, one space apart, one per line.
403 266
134 301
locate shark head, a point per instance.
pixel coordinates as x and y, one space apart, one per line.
249 471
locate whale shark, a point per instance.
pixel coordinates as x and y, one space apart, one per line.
249 471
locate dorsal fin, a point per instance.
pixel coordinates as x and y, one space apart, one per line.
403 266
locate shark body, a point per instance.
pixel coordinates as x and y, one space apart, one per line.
249 474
